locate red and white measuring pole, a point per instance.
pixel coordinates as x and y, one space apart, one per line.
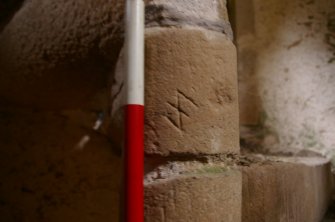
134 111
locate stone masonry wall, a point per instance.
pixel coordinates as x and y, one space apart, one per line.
56 163
191 113
286 74
57 160
60 150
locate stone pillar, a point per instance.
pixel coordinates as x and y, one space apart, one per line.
191 96
191 113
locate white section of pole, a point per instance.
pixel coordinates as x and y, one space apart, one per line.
134 42
134 112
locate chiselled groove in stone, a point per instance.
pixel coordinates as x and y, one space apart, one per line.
179 123
172 105
153 129
178 109
165 16
188 98
173 122
183 112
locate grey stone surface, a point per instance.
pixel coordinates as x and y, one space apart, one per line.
211 15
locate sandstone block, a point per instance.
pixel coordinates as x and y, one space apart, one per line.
196 197
191 92
59 53
298 189
55 167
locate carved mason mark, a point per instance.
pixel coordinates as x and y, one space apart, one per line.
190 99
152 129
180 109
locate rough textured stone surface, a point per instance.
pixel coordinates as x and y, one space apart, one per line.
208 10
59 53
286 73
207 196
211 15
298 189
55 167
191 92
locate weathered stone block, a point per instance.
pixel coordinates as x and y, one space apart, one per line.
59 53
211 15
191 92
55 167
296 190
209 196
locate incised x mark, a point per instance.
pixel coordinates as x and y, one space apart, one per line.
177 111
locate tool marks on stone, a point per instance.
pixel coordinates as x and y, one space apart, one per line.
190 99
180 109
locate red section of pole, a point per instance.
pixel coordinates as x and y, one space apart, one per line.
134 161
